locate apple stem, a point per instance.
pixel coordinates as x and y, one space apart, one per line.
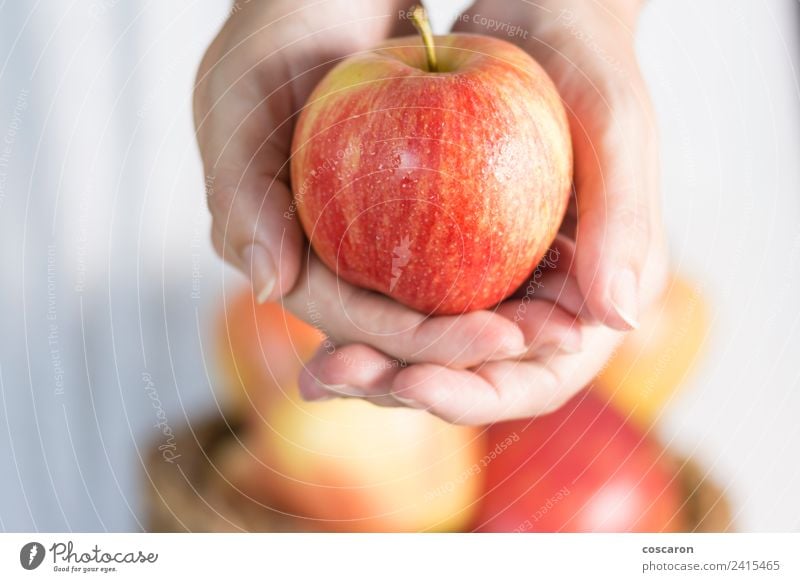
419 16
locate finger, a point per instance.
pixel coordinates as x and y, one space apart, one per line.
543 323
457 396
351 315
618 208
553 280
465 397
354 371
504 390
244 147
250 232
563 289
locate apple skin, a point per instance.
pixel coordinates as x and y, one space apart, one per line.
341 465
579 469
441 190
652 362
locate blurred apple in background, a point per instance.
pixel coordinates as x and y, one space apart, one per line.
581 468
345 464
654 360
352 466
260 346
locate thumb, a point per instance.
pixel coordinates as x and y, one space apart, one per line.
620 255
244 145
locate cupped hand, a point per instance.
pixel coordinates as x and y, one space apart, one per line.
254 79
611 254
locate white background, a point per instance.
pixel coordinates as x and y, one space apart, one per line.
104 182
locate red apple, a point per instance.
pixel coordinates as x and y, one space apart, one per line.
581 468
438 184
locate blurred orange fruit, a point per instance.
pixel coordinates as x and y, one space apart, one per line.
654 360
261 348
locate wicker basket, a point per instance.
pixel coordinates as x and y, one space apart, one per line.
190 494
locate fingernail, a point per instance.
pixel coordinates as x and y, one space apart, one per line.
316 391
410 402
342 390
258 261
624 298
